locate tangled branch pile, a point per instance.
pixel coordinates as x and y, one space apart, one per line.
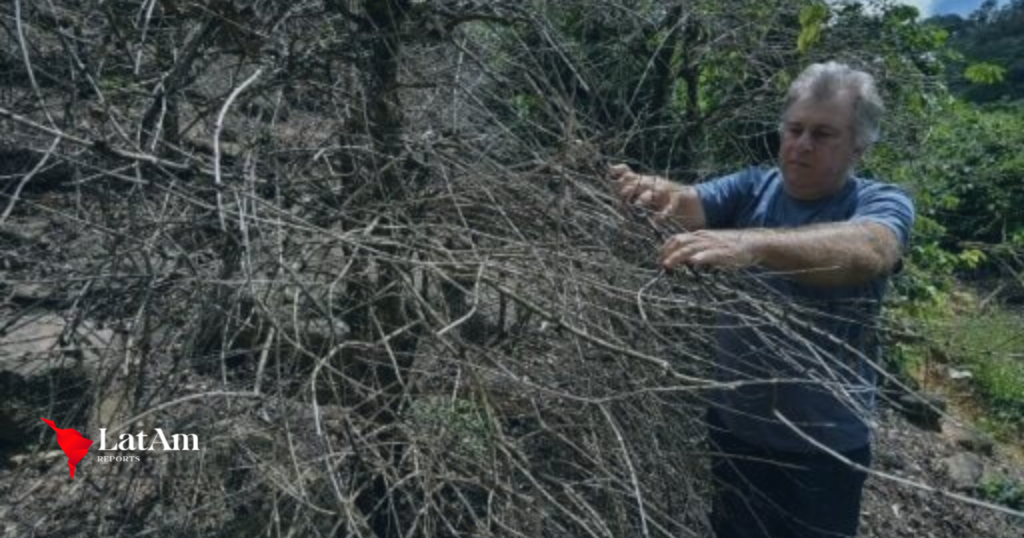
364 250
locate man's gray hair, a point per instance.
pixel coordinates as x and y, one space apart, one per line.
823 81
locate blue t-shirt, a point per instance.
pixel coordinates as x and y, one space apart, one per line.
808 352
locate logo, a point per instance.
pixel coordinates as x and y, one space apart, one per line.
72 443
138 441
75 446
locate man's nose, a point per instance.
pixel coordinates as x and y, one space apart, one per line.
804 142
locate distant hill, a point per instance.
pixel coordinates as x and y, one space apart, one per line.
994 35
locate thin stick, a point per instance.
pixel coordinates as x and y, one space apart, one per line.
28 62
632 471
918 485
97 145
216 143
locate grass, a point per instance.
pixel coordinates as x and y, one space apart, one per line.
985 342
990 345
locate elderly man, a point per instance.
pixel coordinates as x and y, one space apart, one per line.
823 243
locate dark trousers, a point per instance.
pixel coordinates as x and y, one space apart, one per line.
762 493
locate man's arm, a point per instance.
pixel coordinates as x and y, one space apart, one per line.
837 254
670 201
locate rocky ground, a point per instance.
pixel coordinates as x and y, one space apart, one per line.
954 460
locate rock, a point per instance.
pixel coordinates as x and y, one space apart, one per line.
8 528
32 345
958 374
45 371
26 345
965 470
33 293
923 410
966 439
26 232
889 461
18 290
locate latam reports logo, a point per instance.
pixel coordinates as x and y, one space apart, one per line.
75 445
72 443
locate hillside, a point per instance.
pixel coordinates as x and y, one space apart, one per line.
367 254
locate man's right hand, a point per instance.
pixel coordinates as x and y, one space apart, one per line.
668 201
654 193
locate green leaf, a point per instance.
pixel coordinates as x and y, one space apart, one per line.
902 14
812 19
985 73
971 258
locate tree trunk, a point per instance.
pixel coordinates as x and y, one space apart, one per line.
383 370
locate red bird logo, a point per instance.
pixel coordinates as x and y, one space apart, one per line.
72 443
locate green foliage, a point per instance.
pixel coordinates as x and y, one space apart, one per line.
992 36
906 57
462 425
812 19
1003 490
966 181
965 188
971 258
118 83
985 73
901 15
982 168
524 105
691 88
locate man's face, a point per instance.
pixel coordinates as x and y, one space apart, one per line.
818 148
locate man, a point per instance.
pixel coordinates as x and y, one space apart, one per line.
822 243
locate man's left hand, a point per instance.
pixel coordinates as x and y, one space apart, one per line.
728 249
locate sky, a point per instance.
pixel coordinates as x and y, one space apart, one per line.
943 7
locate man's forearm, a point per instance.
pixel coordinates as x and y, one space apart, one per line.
839 254
687 209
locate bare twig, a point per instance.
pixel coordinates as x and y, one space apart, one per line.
216 142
